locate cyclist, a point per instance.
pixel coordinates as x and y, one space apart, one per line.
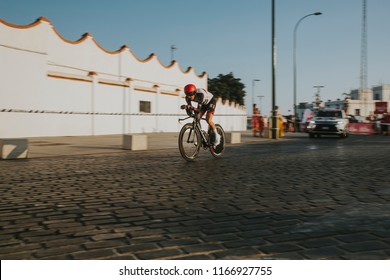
206 103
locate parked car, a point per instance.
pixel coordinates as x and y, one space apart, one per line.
329 122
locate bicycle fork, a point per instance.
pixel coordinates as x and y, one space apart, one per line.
203 135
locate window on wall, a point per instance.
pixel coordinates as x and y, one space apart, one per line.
357 112
145 107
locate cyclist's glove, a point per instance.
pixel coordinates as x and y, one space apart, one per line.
190 110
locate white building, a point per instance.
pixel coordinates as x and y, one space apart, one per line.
363 103
357 103
55 87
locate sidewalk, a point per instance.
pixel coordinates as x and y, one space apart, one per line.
103 144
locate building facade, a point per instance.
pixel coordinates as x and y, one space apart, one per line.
55 87
361 104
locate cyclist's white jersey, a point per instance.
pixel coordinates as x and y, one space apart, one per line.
203 96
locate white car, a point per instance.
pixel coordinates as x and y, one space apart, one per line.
329 122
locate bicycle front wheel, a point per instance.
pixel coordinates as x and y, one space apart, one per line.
189 142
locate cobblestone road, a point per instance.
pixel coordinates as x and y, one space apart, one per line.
303 198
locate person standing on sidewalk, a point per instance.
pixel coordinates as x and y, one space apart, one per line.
261 125
255 121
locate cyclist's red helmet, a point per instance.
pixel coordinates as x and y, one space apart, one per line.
190 89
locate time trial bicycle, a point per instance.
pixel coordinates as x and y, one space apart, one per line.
192 137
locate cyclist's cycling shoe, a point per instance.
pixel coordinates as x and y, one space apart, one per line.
217 140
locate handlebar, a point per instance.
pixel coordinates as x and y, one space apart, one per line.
180 120
191 111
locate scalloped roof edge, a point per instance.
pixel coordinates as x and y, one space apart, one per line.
88 35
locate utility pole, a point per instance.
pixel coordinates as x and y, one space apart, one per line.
317 101
274 129
173 48
363 60
253 94
363 53
260 102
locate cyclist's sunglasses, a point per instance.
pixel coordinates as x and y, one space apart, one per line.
191 93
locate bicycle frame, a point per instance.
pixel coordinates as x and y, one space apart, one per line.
197 126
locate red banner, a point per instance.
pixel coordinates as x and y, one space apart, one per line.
361 128
380 107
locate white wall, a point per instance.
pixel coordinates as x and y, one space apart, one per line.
78 88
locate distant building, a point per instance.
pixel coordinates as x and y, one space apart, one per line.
362 103
357 103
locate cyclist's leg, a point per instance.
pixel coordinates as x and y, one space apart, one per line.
201 113
209 119
210 113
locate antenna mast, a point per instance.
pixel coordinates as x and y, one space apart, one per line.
363 54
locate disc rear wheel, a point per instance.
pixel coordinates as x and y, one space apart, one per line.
217 151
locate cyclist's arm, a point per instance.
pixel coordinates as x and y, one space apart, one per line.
199 108
188 101
200 99
189 108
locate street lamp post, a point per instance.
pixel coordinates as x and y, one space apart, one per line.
253 92
274 134
260 97
295 58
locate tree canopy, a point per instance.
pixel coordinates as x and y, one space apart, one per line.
228 88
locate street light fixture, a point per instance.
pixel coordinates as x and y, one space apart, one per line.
260 97
253 93
295 58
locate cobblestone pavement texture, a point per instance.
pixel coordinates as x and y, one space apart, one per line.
298 198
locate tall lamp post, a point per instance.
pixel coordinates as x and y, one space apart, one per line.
274 134
260 97
295 58
253 92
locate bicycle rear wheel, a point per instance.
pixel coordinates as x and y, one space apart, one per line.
189 142
218 150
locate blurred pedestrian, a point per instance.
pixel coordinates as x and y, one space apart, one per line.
385 124
293 124
255 121
261 125
280 125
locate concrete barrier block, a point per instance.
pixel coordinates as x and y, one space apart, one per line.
135 142
13 148
233 137
266 133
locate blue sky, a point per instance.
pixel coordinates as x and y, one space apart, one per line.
223 36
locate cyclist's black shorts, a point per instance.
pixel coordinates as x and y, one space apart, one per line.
210 107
